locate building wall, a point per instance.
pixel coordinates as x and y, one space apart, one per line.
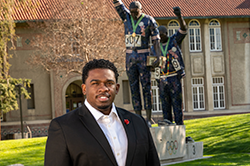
232 63
39 117
123 98
238 53
39 78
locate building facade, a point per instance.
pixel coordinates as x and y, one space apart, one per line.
216 53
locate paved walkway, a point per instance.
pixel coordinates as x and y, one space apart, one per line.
177 162
199 114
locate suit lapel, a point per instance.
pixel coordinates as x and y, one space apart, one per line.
92 126
130 131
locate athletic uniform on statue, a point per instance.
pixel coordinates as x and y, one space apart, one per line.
170 81
171 72
138 29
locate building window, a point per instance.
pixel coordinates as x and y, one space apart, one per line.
31 101
156 105
58 46
215 35
194 36
66 44
19 41
74 90
75 44
126 92
198 94
218 93
173 27
74 96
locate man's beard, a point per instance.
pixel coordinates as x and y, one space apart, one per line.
104 107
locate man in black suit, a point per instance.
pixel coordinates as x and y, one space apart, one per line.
98 133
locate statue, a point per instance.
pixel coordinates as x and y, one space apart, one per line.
139 29
172 70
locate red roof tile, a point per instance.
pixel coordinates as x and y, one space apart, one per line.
156 8
196 8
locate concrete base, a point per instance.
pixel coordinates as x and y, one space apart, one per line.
194 150
17 136
182 161
170 142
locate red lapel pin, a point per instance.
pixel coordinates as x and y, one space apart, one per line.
126 121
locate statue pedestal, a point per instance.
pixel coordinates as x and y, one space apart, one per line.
194 150
170 142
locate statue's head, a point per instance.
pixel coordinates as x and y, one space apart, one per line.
163 33
135 9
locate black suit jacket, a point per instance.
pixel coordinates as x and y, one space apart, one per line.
75 139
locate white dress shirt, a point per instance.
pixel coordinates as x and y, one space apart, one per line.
112 127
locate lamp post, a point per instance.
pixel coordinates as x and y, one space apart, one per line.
20 105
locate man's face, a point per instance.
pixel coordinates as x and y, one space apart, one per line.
163 37
135 13
100 89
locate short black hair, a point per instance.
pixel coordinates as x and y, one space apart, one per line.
98 64
135 4
163 29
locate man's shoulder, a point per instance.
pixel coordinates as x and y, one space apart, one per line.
149 17
131 114
122 110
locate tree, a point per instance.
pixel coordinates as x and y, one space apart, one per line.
8 93
79 31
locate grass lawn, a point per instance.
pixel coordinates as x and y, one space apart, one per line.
226 138
29 152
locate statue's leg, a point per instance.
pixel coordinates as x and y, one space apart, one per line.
145 78
177 100
148 113
133 76
138 112
165 99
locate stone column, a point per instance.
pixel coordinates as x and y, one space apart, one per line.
247 75
52 94
208 70
187 79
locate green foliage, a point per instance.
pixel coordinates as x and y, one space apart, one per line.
7 34
225 138
8 93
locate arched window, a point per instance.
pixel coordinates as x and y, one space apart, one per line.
173 26
194 36
74 96
215 35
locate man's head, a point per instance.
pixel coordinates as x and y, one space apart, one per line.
163 33
100 84
135 9
98 63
